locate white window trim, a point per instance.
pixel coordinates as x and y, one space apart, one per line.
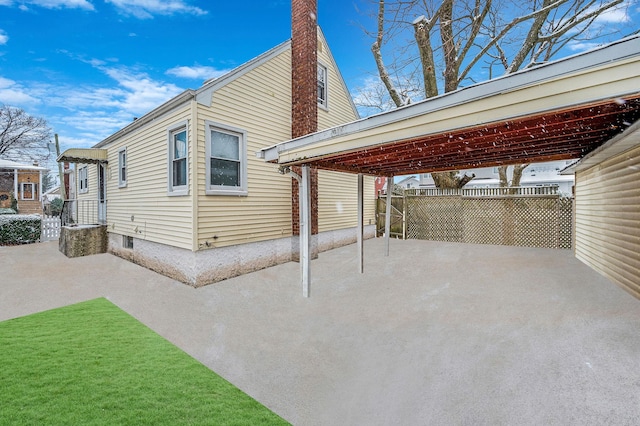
241 190
83 180
33 190
122 183
324 105
181 189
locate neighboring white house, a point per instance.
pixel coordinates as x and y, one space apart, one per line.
51 195
409 182
538 174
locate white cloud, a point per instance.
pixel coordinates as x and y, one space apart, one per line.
4 38
582 47
88 113
14 94
52 4
614 16
146 9
196 72
134 94
78 140
138 93
89 127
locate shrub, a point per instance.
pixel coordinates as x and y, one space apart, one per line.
7 211
14 203
20 229
56 206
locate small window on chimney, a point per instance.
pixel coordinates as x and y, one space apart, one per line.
322 86
127 242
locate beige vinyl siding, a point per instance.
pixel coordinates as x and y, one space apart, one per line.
338 200
340 108
337 192
143 208
608 219
259 103
87 205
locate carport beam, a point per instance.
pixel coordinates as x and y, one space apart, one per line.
361 223
387 216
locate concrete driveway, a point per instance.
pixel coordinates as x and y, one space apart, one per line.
435 334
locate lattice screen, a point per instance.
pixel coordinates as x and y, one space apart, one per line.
530 221
440 219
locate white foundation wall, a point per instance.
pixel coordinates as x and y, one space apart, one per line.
208 266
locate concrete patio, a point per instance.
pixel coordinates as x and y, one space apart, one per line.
435 334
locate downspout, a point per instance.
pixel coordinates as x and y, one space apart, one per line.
193 174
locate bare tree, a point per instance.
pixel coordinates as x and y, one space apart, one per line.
438 45
22 136
451 179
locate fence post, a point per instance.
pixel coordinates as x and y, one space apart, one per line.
404 214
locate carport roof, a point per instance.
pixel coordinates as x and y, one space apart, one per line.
559 110
83 155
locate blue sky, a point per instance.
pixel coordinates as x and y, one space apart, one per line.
89 66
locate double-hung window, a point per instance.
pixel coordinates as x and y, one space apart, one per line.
83 180
226 160
122 167
178 163
322 86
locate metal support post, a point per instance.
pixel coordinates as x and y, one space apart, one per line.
387 217
361 222
305 230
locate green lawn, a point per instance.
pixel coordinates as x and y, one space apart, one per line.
93 364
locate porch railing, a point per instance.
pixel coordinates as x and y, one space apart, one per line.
80 212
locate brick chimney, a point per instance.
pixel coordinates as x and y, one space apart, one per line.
304 94
304 67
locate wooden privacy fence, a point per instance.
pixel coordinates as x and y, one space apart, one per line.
529 217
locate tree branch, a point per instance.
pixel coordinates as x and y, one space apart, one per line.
503 32
377 55
421 30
